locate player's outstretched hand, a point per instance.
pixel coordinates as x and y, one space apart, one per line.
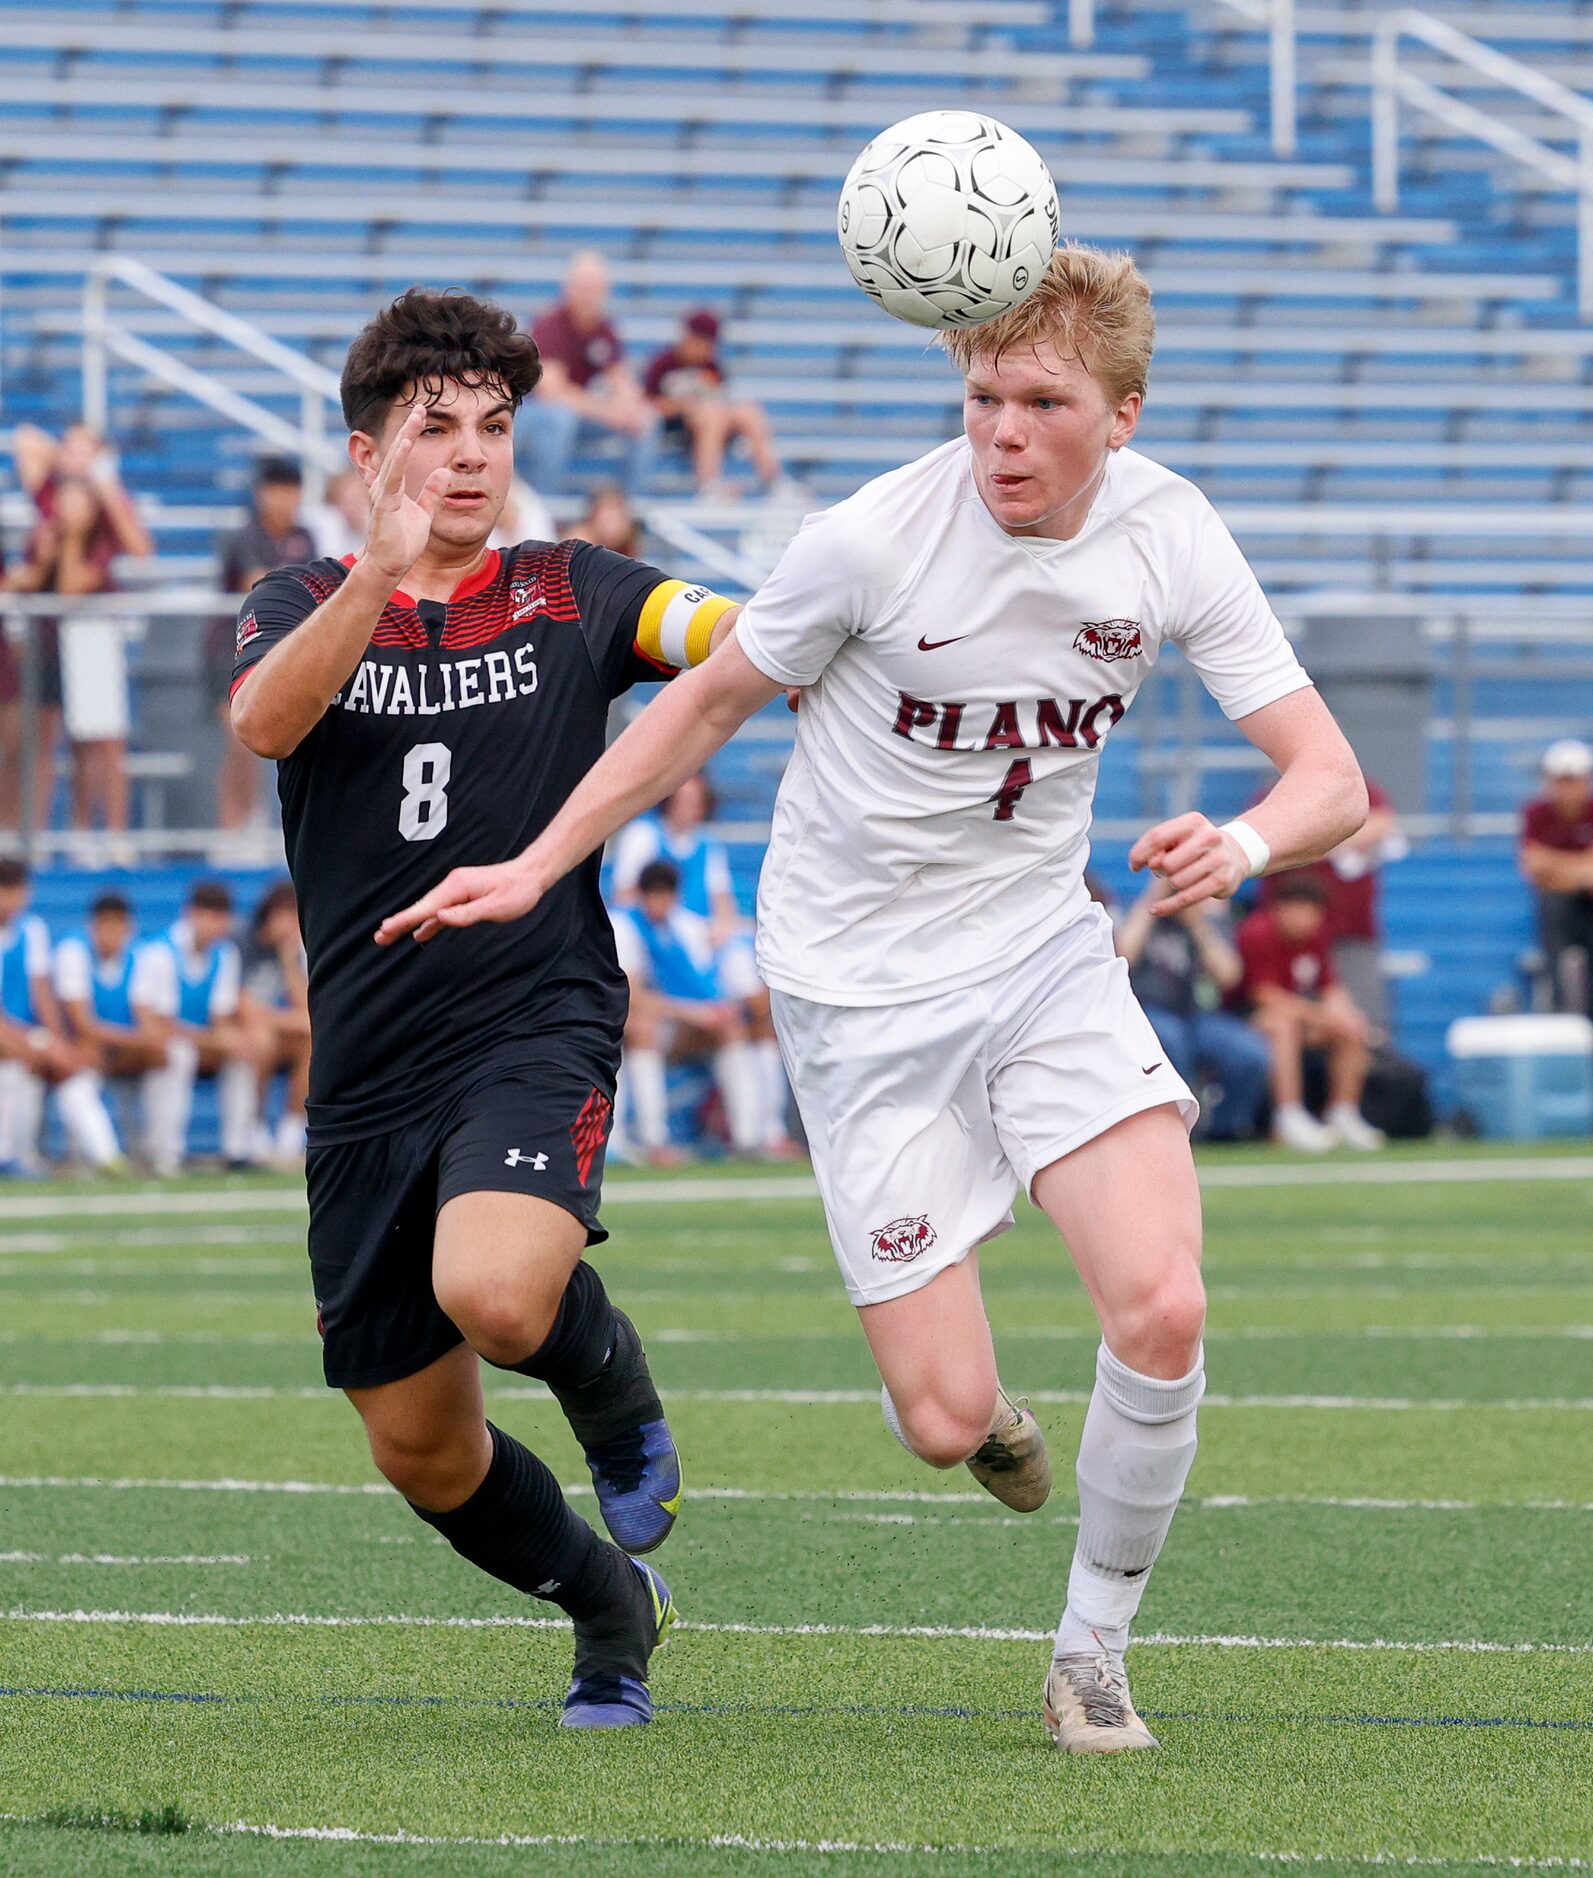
464 898
1196 859
400 524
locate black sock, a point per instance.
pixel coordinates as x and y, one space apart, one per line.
581 1341
518 1526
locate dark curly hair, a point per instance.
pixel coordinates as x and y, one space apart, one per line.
426 339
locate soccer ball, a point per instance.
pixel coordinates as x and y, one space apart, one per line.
948 219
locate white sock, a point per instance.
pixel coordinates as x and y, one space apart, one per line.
27 1119
736 1072
240 1112
87 1120
772 1092
288 1142
11 1074
647 1097
893 1421
1134 1457
168 1099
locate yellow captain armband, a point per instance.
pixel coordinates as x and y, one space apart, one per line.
677 623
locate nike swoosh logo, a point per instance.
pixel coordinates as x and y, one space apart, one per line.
934 645
1152 1070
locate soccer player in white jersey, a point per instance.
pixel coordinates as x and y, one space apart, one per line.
966 632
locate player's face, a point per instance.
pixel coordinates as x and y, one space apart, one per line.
210 925
469 431
109 933
13 900
1041 429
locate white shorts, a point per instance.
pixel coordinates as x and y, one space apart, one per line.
925 1119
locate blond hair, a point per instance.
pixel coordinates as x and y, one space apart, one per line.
1093 305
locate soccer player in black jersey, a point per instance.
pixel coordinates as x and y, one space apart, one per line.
427 700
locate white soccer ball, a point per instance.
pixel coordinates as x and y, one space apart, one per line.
948 219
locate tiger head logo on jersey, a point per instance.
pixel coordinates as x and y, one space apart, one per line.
903 1239
1109 639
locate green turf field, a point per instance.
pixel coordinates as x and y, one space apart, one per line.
224 1648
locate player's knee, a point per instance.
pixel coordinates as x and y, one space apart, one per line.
503 1322
1159 1332
945 1432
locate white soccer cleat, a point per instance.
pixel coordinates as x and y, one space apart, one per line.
1011 1462
1088 1709
1351 1129
1294 1126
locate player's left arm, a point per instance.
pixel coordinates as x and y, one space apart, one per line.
1318 801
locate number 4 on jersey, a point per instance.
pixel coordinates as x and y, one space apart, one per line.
1013 784
423 813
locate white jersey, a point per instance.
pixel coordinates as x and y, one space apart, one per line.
960 683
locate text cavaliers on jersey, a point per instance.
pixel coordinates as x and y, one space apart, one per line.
456 739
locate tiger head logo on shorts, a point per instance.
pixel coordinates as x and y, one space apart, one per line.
1109 639
903 1239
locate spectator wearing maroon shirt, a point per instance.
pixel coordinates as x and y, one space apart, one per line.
82 455
1557 858
1352 878
1298 1004
686 382
586 386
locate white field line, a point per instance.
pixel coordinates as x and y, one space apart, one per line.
1326 1173
803 1398
883 1496
18 1244
1071 1333
974 1633
743 1842
116 1558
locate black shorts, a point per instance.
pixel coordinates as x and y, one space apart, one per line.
540 1128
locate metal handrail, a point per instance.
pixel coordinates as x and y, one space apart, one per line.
1277 16
1392 87
105 336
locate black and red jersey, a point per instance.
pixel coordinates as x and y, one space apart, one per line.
456 739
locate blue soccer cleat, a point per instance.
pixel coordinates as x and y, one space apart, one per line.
619 1422
606 1691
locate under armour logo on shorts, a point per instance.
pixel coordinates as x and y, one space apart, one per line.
517 1157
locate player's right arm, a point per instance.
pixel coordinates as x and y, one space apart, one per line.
281 700
669 741
786 635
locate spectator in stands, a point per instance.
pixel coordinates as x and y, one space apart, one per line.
1181 969
273 537
35 1050
609 522
275 1009
70 553
687 384
41 462
199 994
337 525
586 386
1297 1004
524 517
677 1009
1557 858
677 832
1352 877
110 992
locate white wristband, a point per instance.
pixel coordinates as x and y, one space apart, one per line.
1256 852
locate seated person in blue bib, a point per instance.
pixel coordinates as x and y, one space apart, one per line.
35 1050
109 988
677 1010
199 995
677 832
